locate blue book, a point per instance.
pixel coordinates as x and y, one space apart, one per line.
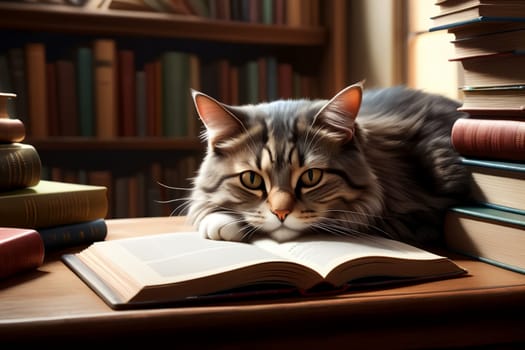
498 184
487 234
82 233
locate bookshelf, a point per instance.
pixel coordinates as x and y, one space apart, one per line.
317 51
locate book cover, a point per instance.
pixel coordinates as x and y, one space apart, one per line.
52 203
479 13
52 99
175 93
67 98
36 89
12 130
21 250
71 235
489 44
105 87
488 234
20 166
498 184
170 267
489 138
126 97
504 69
17 66
511 98
84 71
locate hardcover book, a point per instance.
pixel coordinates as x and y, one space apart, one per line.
491 235
20 166
20 250
489 138
52 203
64 236
498 184
174 267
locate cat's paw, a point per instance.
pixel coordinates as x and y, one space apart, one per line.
219 226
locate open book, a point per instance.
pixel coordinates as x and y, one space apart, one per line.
172 267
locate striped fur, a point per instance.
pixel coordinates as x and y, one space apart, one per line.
291 166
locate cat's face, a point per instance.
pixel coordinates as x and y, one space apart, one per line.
280 168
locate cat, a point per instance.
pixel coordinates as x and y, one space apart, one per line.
376 161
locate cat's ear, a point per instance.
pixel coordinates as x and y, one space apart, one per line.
338 114
220 123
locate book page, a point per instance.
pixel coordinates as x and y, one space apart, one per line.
325 252
171 258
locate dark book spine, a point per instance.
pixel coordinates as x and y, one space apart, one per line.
20 250
65 236
487 138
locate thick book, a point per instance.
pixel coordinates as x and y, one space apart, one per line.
503 69
105 87
52 203
71 235
487 234
36 89
21 250
508 99
20 166
490 138
501 12
497 184
489 44
174 267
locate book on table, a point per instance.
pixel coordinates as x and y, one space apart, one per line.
177 267
52 203
491 235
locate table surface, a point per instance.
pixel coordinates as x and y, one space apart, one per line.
484 308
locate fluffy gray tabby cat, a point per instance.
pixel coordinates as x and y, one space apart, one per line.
375 162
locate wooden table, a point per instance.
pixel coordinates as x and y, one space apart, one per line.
52 305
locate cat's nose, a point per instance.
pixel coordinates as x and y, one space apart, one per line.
281 213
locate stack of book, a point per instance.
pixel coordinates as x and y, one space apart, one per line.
38 216
489 43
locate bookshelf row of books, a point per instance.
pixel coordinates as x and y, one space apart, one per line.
272 12
39 216
156 189
489 42
103 90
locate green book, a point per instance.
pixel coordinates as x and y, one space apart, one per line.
86 117
175 90
487 234
52 203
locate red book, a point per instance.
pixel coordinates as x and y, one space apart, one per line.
20 250
126 98
67 98
489 138
151 105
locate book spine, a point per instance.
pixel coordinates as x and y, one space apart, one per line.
16 61
127 97
175 91
67 98
20 250
52 209
105 87
64 236
84 65
52 100
19 167
12 130
36 89
486 138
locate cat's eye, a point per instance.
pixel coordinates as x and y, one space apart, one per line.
252 180
311 177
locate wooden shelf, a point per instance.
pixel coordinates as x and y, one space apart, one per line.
77 20
67 144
